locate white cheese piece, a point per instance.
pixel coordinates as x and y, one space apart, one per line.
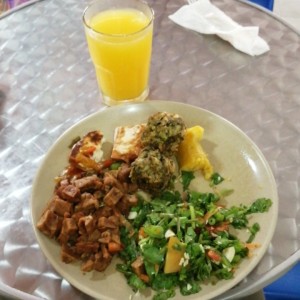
132 215
98 153
169 233
229 253
127 142
89 147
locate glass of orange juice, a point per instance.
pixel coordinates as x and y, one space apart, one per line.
119 36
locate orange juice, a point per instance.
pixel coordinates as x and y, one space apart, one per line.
120 43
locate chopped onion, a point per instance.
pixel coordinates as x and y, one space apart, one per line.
132 215
229 253
169 233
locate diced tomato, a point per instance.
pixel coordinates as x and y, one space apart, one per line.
107 163
144 277
214 256
142 234
89 150
218 228
85 163
72 170
252 246
114 247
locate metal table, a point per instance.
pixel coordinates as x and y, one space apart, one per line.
47 84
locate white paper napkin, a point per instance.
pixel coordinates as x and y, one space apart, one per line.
206 18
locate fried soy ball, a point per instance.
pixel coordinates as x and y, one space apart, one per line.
152 171
164 131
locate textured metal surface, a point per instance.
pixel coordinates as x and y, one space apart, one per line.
47 84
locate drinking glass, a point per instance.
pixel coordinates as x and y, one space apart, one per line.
119 37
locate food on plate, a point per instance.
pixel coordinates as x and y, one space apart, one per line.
184 241
87 152
174 255
86 213
164 131
191 156
132 205
152 171
127 142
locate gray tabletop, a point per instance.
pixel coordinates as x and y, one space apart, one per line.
47 84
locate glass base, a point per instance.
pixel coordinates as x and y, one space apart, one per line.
111 102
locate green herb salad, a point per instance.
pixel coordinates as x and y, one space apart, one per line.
183 239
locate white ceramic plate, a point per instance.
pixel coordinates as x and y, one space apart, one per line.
231 152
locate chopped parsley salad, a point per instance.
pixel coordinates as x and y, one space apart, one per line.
183 239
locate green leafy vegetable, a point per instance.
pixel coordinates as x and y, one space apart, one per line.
136 283
115 166
164 295
189 288
154 231
206 250
186 178
153 254
253 230
216 179
131 250
164 281
260 205
74 141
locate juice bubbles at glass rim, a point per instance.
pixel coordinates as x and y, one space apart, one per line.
120 44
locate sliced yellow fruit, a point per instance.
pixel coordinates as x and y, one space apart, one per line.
175 252
191 156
